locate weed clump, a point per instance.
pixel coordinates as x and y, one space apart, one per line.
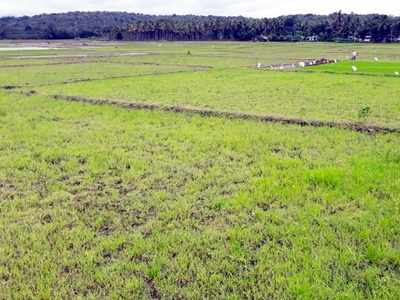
364 112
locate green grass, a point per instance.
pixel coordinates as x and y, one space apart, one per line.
267 52
37 75
234 54
21 62
364 67
99 202
298 95
225 54
195 60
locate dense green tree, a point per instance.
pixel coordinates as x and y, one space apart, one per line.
138 27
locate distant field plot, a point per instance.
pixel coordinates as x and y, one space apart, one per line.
15 63
274 52
24 62
50 74
45 52
300 95
224 54
363 67
71 50
185 59
236 54
98 202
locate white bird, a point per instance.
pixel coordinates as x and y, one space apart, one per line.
376 59
302 64
259 66
354 68
397 73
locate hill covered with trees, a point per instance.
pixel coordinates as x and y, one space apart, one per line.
131 26
66 25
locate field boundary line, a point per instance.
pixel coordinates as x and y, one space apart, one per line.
57 56
49 64
353 126
72 81
382 75
99 61
159 64
117 77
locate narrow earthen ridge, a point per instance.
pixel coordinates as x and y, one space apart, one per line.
89 61
139 63
49 64
79 80
117 77
364 128
382 75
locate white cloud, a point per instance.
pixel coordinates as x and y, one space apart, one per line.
254 8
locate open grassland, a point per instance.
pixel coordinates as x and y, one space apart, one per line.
298 95
97 201
50 74
225 54
229 55
363 67
100 202
267 52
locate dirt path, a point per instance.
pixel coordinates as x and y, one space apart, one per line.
363 128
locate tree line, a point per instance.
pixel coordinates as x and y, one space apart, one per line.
138 27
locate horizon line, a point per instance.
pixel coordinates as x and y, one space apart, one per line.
191 14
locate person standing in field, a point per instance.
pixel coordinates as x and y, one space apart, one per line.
354 55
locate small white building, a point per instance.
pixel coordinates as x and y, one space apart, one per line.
312 38
367 39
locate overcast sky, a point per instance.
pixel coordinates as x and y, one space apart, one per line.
252 8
